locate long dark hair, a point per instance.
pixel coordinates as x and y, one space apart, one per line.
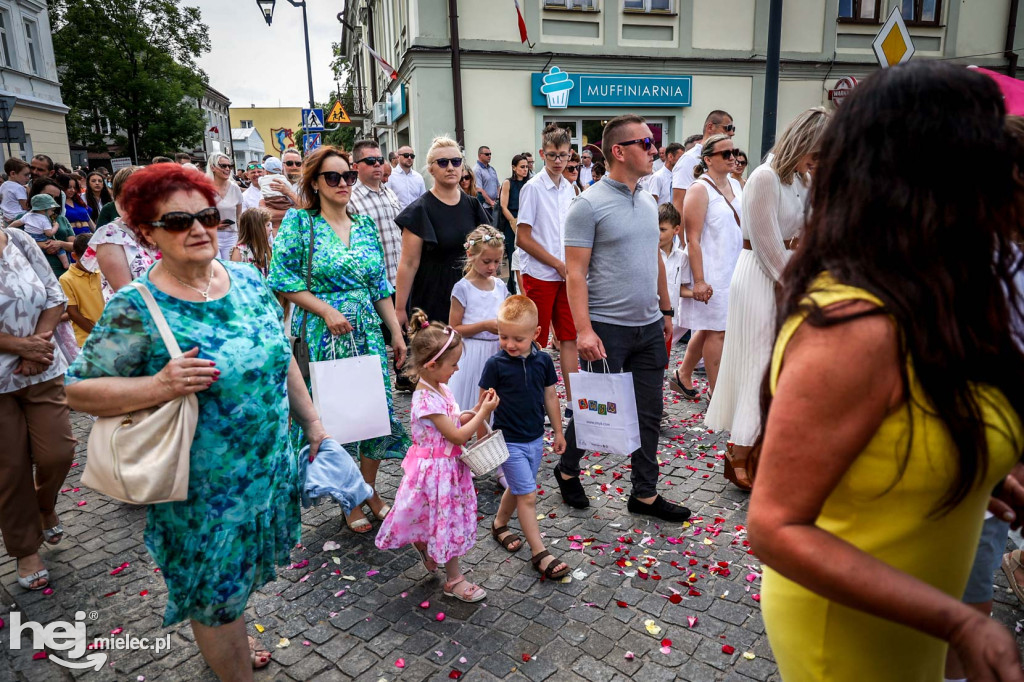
888 215
92 199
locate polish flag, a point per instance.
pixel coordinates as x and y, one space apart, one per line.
523 37
389 70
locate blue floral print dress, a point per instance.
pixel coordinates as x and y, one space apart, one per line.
242 515
350 279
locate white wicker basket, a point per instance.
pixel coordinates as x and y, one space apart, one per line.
487 453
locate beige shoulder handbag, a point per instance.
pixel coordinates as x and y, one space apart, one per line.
143 457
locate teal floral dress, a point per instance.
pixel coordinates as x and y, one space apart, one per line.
350 279
242 515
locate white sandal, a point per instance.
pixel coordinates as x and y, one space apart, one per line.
56 532
27 581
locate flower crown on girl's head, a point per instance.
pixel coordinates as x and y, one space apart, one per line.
485 239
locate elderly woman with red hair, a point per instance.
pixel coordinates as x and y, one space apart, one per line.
242 514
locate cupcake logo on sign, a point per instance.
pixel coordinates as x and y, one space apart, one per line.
556 87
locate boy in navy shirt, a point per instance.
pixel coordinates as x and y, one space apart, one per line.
524 378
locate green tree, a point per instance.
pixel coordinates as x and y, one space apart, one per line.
131 62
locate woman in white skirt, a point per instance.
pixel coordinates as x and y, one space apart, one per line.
774 201
474 313
711 220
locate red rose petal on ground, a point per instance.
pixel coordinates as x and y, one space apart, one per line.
726 649
622 604
666 642
454 674
526 658
694 593
39 656
675 598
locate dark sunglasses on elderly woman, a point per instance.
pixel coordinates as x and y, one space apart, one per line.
332 178
180 221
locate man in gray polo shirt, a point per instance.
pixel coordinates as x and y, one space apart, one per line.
619 298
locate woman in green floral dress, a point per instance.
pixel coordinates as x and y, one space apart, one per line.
242 514
349 294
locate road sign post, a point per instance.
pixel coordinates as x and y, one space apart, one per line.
7 103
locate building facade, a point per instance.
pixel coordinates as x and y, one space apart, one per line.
278 126
248 146
671 61
28 71
216 109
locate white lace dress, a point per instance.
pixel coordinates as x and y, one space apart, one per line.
720 245
772 212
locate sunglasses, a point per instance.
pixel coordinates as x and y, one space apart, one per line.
407 156
332 178
571 169
742 162
372 160
224 166
254 166
729 128
725 153
486 153
180 221
293 164
443 163
647 142
467 178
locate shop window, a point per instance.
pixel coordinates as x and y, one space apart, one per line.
5 50
921 12
649 6
575 5
860 11
32 38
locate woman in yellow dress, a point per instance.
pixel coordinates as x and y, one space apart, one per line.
897 388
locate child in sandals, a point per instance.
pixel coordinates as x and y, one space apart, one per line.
435 507
523 376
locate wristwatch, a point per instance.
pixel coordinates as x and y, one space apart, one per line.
668 313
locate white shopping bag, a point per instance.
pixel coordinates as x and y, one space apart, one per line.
604 412
349 396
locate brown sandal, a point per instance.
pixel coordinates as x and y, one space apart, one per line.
509 540
736 471
549 572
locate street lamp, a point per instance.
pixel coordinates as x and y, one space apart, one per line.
267 8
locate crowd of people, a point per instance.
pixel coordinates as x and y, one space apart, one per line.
858 317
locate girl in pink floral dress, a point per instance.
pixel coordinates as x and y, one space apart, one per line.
435 507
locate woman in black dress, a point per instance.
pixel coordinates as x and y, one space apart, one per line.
509 205
434 230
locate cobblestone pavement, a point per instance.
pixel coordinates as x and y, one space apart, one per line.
359 613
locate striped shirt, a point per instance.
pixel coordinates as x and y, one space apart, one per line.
382 207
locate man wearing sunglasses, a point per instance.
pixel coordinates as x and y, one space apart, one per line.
718 122
487 184
252 195
291 160
620 302
405 182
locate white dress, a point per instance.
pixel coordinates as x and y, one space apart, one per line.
478 306
720 245
772 212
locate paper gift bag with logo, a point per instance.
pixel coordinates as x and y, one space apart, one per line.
604 411
349 396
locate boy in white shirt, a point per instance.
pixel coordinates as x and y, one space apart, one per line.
540 235
677 267
13 193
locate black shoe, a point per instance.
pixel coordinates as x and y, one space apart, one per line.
572 491
660 508
404 383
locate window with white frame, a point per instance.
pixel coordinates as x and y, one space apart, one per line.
5 49
32 38
246 124
649 6
578 5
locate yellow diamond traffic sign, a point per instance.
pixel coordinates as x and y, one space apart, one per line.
893 44
338 114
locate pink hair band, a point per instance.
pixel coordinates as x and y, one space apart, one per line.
451 336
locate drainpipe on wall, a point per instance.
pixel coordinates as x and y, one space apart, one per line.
771 78
453 29
373 46
1011 31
